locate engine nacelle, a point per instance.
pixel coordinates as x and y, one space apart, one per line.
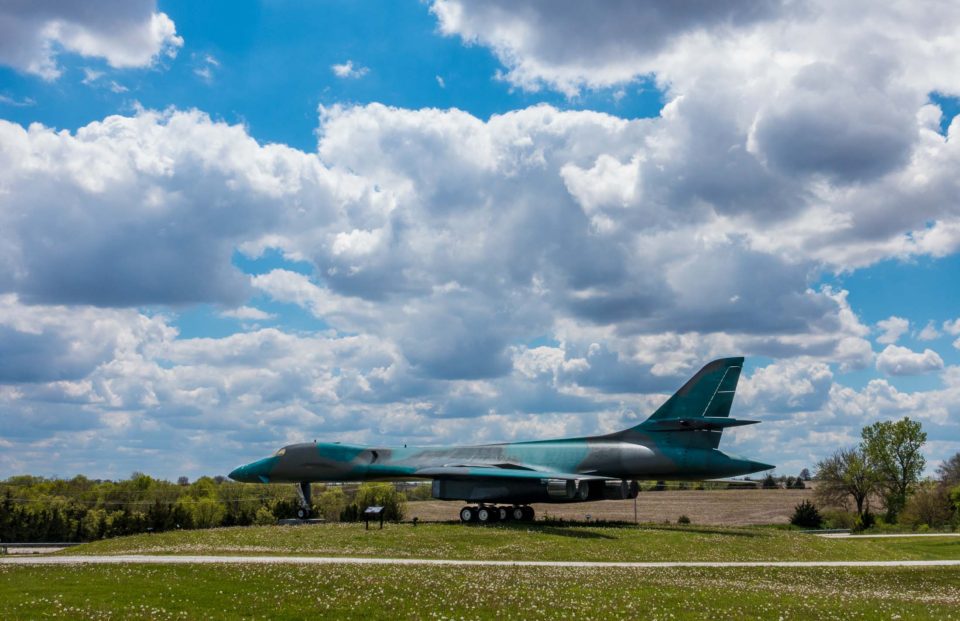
620 490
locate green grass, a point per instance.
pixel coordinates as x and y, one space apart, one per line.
529 542
430 592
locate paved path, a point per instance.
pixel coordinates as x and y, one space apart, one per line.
327 560
890 535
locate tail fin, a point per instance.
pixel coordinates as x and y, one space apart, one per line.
702 405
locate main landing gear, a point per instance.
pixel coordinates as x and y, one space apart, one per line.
486 514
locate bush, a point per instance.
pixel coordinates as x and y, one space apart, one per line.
806 515
264 517
770 483
838 519
330 503
683 519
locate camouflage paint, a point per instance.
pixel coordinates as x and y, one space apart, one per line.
678 442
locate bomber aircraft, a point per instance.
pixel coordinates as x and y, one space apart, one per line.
678 442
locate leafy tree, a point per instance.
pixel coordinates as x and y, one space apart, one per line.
770 483
207 513
805 474
893 451
806 515
843 476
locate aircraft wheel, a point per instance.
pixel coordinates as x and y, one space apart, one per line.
467 514
503 514
303 513
518 514
484 515
528 513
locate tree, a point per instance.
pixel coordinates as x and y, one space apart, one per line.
805 474
930 505
893 451
949 471
845 475
770 483
806 515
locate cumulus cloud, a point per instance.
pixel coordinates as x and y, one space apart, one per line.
124 33
895 360
568 44
445 250
892 329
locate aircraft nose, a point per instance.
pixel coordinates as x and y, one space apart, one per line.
238 474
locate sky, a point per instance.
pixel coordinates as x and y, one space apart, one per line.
230 226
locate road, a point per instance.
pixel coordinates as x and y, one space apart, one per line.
328 560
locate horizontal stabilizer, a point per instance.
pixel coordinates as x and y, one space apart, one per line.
694 424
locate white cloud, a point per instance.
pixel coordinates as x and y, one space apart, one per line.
929 332
952 327
348 70
440 82
204 66
247 313
893 328
895 360
123 32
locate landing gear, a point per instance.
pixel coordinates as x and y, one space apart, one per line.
303 495
487 515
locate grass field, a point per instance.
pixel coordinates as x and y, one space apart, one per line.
394 592
529 542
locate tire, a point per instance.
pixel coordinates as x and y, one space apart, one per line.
528 514
467 514
503 514
484 515
518 514
303 513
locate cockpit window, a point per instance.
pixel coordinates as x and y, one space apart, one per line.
280 452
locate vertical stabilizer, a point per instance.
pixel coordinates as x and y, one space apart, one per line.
696 415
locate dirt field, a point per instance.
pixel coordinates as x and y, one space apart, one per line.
728 507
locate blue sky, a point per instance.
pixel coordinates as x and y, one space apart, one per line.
237 225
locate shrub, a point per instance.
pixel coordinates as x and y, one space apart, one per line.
806 515
683 519
770 483
264 517
384 495
838 519
330 503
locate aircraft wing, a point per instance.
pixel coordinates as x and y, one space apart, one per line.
494 471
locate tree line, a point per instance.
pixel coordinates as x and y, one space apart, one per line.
81 509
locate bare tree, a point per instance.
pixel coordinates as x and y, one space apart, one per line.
949 471
843 476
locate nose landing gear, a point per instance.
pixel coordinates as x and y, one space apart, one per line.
485 514
303 495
